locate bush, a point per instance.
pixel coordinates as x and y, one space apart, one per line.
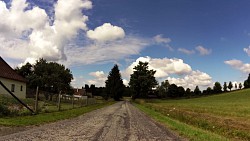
4 111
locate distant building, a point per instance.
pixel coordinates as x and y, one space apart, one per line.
13 81
80 92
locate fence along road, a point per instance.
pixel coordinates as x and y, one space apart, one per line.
118 122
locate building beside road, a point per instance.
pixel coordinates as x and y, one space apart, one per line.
13 81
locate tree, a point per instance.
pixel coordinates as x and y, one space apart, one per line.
188 92
163 88
92 89
114 84
209 90
181 91
225 86
240 86
230 85
217 87
235 86
247 82
49 76
142 80
197 91
173 91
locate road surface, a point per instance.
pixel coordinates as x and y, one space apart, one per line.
118 122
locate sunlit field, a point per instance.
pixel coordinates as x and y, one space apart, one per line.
226 114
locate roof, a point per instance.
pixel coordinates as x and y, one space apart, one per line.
7 72
79 91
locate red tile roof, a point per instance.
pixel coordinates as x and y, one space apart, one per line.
7 72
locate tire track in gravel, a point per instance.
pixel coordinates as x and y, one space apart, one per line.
118 122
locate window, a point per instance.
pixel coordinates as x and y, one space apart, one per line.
12 87
21 89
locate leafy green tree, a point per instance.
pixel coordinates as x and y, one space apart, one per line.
217 87
163 88
49 76
247 82
197 91
114 84
230 85
181 91
188 92
173 91
240 86
225 86
209 90
142 80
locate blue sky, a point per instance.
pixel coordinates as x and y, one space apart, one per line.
190 43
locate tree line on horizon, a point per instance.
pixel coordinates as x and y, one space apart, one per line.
143 84
54 77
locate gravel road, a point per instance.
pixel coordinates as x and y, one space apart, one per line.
118 122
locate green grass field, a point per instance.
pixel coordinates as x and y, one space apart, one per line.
227 114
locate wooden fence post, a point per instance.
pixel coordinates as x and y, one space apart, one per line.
59 101
36 102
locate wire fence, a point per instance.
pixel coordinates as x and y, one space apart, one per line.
42 102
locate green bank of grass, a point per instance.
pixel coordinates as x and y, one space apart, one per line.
183 129
50 117
226 114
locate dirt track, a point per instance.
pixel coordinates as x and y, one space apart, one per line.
118 122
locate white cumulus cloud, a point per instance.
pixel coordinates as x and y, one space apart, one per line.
167 68
239 65
163 66
106 32
195 78
32 28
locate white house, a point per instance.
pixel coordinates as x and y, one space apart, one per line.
13 81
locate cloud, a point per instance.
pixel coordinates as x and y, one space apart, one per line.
106 32
195 78
31 27
203 51
163 66
239 65
186 51
105 52
159 39
99 78
97 74
167 68
247 50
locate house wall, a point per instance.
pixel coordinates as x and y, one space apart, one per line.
17 90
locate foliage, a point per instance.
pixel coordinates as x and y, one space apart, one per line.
225 86
163 89
230 85
197 91
142 80
217 87
114 84
247 82
49 76
173 91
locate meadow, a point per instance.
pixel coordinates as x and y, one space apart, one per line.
226 115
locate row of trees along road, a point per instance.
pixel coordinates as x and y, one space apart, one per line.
48 76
